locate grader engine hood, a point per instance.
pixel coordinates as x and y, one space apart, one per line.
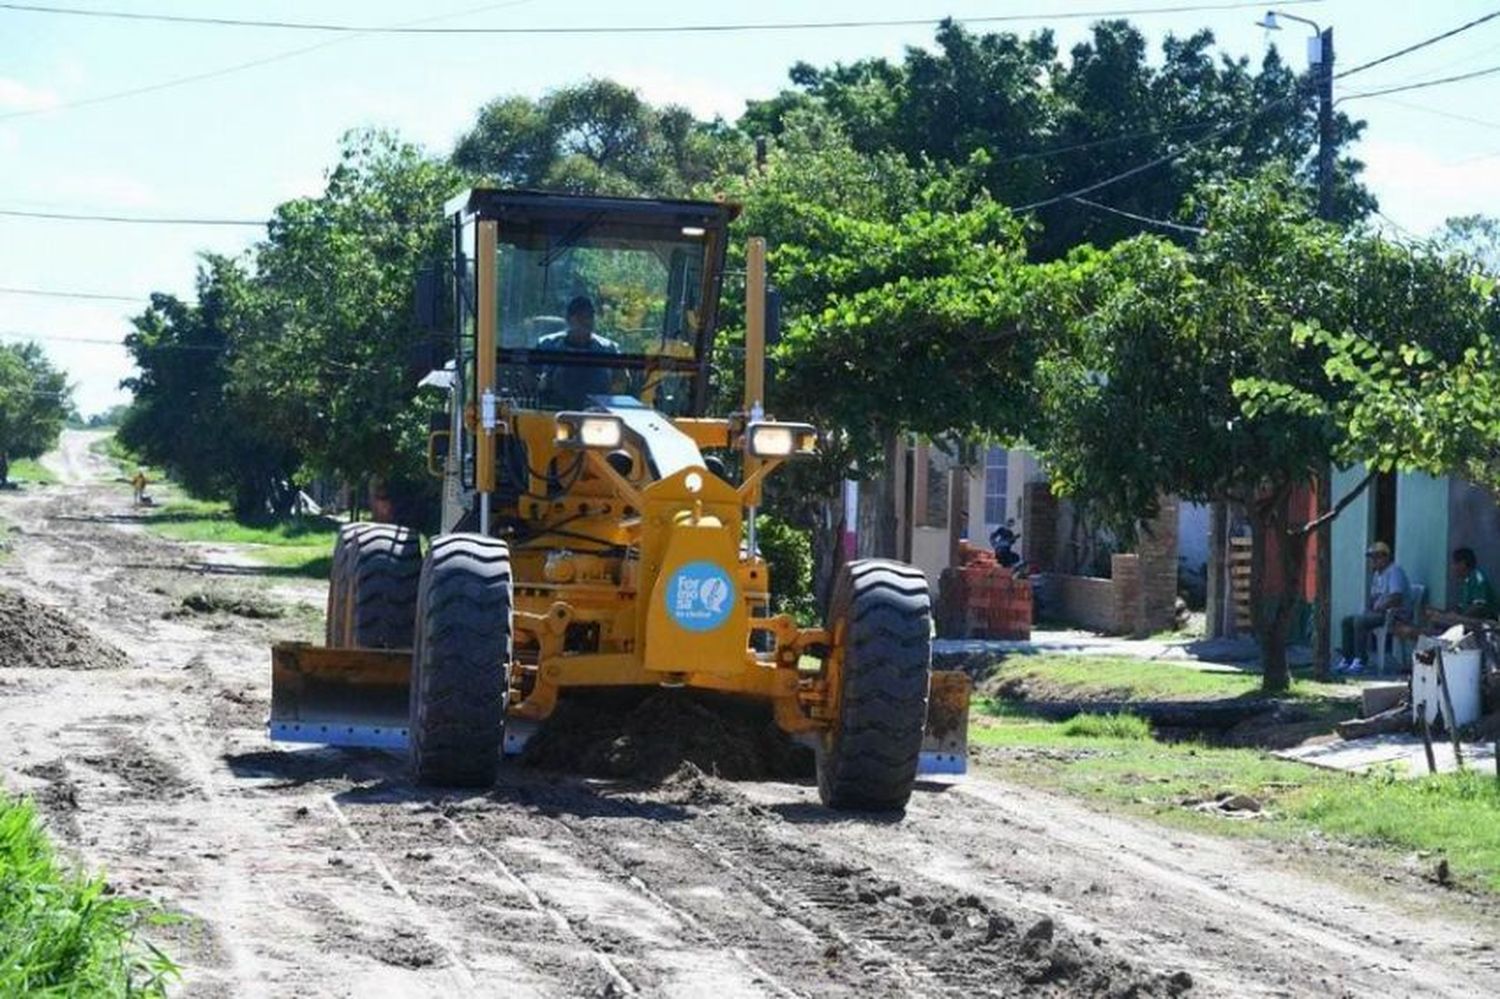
696 615
697 619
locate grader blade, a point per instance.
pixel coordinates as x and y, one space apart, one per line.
945 743
340 697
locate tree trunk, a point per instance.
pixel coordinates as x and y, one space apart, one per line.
1216 598
4 470
1273 618
887 544
827 546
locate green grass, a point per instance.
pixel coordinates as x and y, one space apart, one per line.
301 546
1074 677
62 933
1106 760
31 471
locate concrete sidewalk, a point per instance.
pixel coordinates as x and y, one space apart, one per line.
1402 750
1239 651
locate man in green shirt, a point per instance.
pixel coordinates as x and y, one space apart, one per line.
1476 598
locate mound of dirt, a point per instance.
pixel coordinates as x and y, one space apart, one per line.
649 738
213 602
35 636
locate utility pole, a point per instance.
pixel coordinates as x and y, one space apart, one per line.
1320 56
1325 124
1323 573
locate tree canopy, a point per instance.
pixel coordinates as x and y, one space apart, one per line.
598 137
1049 125
35 401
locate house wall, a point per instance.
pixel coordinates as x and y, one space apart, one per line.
1351 535
1474 522
1422 533
1192 536
929 552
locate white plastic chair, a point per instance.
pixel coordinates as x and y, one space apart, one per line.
1383 634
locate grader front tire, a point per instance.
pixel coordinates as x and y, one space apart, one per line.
338 582
377 585
881 617
460 673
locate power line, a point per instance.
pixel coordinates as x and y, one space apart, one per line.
1420 84
227 22
1442 113
1139 168
1416 46
100 341
88 295
1196 230
368 223
237 67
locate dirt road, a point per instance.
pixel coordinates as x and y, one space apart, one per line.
317 872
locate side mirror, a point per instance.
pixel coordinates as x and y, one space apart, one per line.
427 298
773 316
437 452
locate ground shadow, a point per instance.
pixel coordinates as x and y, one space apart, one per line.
811 813
381 778
293 768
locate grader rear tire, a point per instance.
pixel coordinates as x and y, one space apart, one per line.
460 674
380 570
883 611
338 583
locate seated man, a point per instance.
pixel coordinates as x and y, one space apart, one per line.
1389 591
1475 600
568 386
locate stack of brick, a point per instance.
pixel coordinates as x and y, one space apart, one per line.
982 599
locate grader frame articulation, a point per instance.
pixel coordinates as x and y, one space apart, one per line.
594 546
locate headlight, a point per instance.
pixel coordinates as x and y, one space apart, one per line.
780 440
590 430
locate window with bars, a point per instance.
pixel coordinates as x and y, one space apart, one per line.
996 485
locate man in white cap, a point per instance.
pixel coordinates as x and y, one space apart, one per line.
1389 592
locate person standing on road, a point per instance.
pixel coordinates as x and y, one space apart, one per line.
1389 596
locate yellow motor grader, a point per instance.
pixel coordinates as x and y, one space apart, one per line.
598 530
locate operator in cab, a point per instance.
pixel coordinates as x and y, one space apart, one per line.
569 386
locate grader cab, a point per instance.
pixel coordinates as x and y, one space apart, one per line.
598 530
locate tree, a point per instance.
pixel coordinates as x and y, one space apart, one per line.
35 401
1050 126
1475 236
1202 373
185 416
598 137
1415 408
321 365
901 294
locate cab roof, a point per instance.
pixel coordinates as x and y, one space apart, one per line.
524 207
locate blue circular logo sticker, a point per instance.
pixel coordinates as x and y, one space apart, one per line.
700 596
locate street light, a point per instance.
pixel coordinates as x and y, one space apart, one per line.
1320 55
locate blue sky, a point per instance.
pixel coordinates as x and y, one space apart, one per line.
238 144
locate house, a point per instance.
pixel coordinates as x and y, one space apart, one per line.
1423 519
939 501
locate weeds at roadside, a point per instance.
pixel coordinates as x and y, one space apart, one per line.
63 933
1085 678
30 472
1451 820
299 546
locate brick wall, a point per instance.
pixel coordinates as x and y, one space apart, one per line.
1157 547
1088 602
1039 525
